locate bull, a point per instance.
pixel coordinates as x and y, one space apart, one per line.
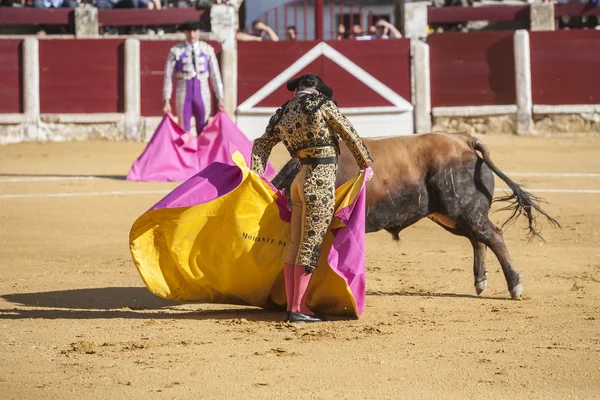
440 176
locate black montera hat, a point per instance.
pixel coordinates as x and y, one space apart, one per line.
310 80
190 26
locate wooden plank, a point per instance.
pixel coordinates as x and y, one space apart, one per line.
575 9
492 13
564 67
35 16
133 17
472 69
81 76
11 79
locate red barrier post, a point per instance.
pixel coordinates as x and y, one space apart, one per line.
285 16
305 19
296 18
332 19
318 19
277 22
360 21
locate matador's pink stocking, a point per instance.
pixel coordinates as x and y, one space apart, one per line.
301 281
288 274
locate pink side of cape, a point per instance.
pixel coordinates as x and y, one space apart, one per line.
174 155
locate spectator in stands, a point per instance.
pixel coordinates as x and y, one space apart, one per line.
291 33
356 32
264 31
385 30
55 3
194 63
260 31
149 4
341 32
105 4
372 31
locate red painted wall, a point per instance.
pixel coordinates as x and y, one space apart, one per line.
153 55
387 60
81 76
259 62
11 100
472 69
565 67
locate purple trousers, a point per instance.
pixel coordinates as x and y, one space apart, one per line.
191 104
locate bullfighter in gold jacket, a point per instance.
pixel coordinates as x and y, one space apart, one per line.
309 126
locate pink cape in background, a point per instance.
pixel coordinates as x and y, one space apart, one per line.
174 155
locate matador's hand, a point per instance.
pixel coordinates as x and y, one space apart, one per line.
167 107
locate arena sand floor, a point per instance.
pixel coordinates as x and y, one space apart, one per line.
76 321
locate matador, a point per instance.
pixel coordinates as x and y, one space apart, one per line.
309 126
194 63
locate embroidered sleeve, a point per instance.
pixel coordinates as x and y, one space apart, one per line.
340 125
261 150
168 82
215 73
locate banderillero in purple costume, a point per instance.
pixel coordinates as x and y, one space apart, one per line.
193 65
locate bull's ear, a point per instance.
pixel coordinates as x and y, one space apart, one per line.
292 84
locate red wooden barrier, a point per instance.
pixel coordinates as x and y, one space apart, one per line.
565 67
254 72
11 76
461 14
35 16
472 69
81 76
118 17
153 55
137 17
386 60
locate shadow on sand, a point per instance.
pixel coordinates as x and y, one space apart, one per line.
118 302
139 303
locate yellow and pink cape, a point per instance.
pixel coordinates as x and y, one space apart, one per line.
220 237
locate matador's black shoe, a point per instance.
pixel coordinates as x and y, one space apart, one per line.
286 316
299 318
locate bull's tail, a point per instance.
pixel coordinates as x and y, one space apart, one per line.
521 201
283 179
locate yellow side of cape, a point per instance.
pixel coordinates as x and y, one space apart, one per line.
230 250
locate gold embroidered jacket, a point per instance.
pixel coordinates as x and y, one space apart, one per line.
306 121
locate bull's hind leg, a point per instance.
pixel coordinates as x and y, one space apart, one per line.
479 253
481 275
465 196
490 235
